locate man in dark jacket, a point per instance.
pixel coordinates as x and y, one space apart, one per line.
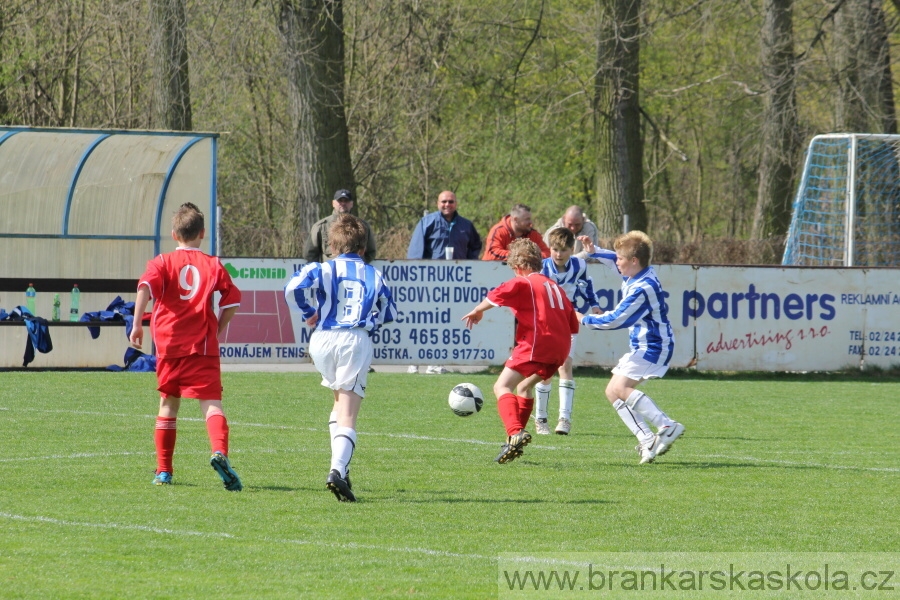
444 229
317 249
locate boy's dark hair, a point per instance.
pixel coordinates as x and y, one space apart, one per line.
347 234
561 239
187 223
635 244
525 254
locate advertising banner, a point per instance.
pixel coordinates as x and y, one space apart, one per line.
723 318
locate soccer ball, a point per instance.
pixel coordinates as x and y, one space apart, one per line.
465 399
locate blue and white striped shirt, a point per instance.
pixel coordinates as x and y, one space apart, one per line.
575 282
348 294
643 309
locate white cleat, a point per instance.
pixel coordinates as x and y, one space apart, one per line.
646 452
564 426
665 437
412 369
436 371
541 427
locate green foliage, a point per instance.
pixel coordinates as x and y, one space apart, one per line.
491 99
80 518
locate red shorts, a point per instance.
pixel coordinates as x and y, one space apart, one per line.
527 369
192 376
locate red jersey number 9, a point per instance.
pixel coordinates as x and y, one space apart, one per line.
189 281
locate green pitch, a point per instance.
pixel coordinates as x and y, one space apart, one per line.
786 464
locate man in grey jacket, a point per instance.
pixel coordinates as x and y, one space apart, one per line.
575 221
317 249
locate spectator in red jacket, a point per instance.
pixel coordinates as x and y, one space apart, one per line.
514 226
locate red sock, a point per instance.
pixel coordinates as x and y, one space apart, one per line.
525 405
508 407
165 443
217 428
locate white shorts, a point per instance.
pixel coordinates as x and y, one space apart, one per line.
635 367
343 357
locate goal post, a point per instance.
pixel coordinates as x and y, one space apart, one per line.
847 208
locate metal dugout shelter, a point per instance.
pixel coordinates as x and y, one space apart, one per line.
95 204
92 206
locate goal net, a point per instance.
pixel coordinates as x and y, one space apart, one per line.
847 209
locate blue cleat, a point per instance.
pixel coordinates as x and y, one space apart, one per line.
230 479
163 478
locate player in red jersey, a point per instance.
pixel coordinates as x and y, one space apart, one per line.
185 330
545 323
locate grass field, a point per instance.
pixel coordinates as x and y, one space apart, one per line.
787 464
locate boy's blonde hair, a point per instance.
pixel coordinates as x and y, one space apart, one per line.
187 222
524 254
635 244
561 239
347 234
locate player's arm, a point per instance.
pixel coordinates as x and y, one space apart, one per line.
475 315
225 318
140 305
625 314
387 308
295 289
607 257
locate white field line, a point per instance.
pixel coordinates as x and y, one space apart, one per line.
220 535
514 559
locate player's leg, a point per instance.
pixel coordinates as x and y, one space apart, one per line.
668 430
343 444
164 438
542 400
566 395
216 425
505 389
510 409
217 430
620 386
343 358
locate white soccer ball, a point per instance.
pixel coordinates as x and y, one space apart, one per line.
465 399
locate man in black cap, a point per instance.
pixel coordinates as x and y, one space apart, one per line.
317 248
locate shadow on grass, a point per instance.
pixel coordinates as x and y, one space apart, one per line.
452 497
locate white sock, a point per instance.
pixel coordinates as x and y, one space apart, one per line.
332 423
542 399
342 445
566 397
641 403
634 422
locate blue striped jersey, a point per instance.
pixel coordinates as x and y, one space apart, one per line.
574 281
347 294
607 257
644 311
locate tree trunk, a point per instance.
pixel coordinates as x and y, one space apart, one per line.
865 103
313 36
780 137
171 85
620 180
